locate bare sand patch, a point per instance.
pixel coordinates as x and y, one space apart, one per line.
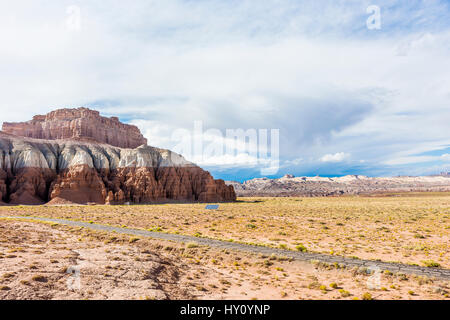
35 258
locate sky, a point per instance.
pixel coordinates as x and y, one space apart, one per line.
345 90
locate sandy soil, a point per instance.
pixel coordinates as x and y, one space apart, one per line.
411 229
40 262
36 260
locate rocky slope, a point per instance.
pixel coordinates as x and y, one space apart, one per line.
78 124
321 186
37 171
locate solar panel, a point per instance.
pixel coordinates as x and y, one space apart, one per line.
212 207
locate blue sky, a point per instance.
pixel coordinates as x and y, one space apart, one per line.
345 99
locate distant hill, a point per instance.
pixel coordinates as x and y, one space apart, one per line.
352 184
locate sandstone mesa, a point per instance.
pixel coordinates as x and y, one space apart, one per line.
77 156
80 124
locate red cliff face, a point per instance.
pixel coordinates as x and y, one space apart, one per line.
36 170
78 124
81 184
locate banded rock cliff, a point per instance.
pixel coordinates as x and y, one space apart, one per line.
37 171
78 124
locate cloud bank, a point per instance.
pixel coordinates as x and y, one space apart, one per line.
312 70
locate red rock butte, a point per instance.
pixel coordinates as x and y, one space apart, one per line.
78 124
77 156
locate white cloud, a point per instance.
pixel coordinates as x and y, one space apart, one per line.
315 73
337 157
413 159
294 162
410 160
238 160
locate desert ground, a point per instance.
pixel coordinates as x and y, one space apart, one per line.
36 259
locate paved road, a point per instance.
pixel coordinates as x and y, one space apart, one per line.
302 256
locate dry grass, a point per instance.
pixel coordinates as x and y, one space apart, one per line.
112 267
409 228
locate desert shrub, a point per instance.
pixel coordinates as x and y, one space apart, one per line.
267 263
431 264
402 276
367 296
39 278
192 245
344 293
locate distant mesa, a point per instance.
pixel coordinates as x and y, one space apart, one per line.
318 186
77 156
